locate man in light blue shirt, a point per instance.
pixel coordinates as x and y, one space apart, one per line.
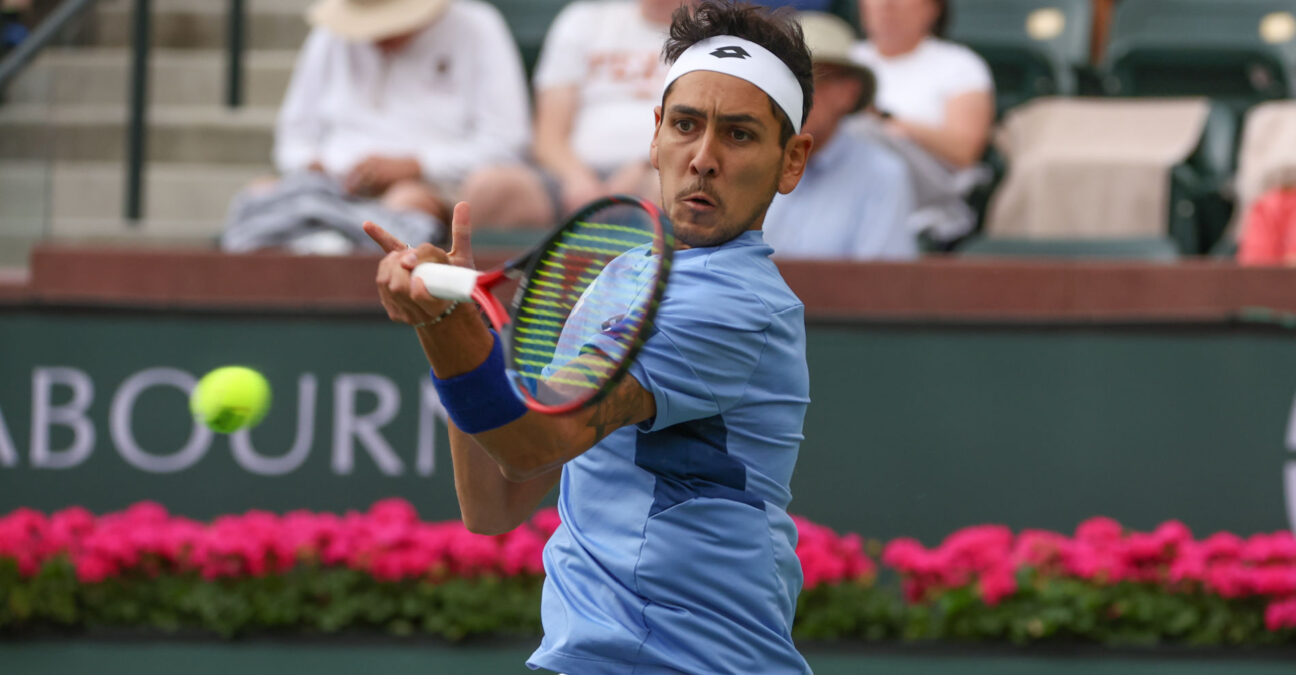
676 553
856 195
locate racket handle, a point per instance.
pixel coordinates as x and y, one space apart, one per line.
447 282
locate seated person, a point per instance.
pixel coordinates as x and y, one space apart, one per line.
599 76
934 107
855 197
936 93
12 28
393 103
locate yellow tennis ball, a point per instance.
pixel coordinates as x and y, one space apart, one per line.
230 398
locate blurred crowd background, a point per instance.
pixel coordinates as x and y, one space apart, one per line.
1128 129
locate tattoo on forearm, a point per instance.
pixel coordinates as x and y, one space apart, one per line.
616 410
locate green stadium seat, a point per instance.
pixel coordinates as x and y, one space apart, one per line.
1197 213
529 21
1144 249
1034 47
484 239
1238 51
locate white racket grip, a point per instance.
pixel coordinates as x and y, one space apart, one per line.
447 282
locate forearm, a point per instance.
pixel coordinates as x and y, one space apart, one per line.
488 502
958 149
522 449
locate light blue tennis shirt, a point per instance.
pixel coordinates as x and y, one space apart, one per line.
676 553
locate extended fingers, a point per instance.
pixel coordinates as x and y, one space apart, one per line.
383 238
461 252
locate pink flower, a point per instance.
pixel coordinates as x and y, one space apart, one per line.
393 510
523 552
92 569
546 521
997 583
1281 614
1099 530
1222 546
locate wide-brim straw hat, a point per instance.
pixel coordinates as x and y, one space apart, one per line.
370 20
830 39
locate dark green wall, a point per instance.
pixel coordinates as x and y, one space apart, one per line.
267 658
913 430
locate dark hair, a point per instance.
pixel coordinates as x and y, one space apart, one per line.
942 19
776 30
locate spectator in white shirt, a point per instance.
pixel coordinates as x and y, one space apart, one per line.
599 76
937 94
400 100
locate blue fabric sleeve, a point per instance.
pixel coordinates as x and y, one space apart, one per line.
702 352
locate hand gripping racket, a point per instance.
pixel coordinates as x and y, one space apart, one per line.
584 304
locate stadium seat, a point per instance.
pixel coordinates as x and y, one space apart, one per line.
485 238
1034 47
529 20
1058 143
1237 51
1154 249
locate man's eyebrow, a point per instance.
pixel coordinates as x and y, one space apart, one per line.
736 118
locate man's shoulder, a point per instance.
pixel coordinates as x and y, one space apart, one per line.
730 282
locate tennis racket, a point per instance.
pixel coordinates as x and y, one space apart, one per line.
584 304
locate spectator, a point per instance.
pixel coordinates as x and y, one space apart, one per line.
855 196
1269 229
12 30
599 76
935 92
393 102
936 105
799 5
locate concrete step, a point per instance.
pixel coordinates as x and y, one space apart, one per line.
195 134
201 24
176 77
84 199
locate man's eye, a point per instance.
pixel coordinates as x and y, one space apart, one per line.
740 135
684 125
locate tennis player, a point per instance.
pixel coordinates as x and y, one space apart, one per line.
675 554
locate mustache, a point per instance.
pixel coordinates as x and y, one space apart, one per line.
696 187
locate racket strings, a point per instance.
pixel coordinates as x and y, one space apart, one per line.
585 303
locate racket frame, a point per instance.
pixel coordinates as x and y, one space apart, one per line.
664 237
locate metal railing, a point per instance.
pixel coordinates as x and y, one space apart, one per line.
141 39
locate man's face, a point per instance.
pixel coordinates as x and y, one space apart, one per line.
720 161
395 43
659 11
836 91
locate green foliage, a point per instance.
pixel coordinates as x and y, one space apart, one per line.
325 600
305 599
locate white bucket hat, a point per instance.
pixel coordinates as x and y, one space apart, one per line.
370 20
830 39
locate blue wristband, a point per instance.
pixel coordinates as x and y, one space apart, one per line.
482 398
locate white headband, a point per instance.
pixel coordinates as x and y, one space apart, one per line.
746 60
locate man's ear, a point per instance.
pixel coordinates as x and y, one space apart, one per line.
795 156
652 149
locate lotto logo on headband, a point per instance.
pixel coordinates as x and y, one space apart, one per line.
734 52
745 60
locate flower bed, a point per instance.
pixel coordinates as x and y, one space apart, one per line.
386 570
